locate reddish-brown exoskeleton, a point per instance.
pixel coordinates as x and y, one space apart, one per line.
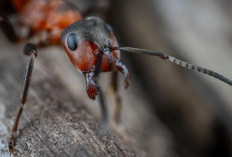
89 43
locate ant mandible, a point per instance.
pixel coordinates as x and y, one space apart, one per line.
89 43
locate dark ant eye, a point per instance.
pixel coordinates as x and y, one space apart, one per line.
72 41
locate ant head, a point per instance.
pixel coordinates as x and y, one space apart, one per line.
84 39
91 29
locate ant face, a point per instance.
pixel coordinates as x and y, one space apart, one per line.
79 51
84 40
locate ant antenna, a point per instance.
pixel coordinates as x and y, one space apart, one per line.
176 61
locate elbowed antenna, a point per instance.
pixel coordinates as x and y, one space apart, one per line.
176 61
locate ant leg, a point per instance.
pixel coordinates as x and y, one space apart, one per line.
105 119
118 105
123 69
31 51
92 87
8 29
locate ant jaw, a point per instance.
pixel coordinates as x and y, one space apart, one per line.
92 92
91 85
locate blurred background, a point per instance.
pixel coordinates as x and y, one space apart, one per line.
195 109
168 110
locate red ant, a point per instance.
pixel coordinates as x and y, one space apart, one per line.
89 43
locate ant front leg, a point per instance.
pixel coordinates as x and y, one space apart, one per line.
8 29
31 51
123 69
93 88
114 88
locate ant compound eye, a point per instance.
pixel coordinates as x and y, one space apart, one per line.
72 41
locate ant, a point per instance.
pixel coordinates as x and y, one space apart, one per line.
89 43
